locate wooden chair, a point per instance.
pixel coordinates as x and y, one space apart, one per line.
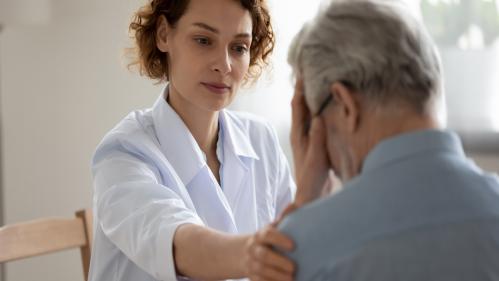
43 236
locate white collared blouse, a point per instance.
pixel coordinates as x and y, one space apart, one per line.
150 176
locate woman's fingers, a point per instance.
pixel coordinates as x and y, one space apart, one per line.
265 262
271 259
270 274
272 237
288 210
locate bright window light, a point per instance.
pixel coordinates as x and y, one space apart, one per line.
469 46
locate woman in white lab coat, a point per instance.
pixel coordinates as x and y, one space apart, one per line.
188 188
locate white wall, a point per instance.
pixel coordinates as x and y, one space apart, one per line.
63 86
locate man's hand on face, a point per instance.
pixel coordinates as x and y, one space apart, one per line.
311 160
314 179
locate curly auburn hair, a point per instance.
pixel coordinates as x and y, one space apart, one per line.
153 63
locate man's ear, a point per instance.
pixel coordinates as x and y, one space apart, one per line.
347 106
162 30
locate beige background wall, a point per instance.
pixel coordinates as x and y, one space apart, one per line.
488 162
63 85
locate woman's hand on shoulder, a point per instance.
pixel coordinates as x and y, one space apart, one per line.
262 261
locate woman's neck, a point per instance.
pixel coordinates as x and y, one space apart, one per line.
202 124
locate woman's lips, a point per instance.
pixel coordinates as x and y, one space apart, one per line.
217 88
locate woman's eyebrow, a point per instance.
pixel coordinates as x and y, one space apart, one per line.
207 27
216 31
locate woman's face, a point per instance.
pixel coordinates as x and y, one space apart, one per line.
208 52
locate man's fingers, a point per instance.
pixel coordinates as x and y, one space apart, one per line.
317 136
332 184
317 152
300 113
316 165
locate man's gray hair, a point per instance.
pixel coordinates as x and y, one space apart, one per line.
378 48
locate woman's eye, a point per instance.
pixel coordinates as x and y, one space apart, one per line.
240 49
202 41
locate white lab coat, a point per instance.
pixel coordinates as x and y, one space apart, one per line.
150 176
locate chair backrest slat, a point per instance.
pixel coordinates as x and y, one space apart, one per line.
87 218
43 236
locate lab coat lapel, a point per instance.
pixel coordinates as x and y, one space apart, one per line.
238 188
238 183
210 201
183 161
188 162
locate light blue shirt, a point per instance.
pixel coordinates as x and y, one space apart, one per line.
419 210
150 176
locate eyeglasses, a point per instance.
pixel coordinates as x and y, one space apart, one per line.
330 97
324 104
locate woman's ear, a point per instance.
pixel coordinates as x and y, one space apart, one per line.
345 100
162 30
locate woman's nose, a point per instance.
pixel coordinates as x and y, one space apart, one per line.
222 63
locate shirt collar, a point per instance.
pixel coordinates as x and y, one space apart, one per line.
182 150
236 139
176 141
409 144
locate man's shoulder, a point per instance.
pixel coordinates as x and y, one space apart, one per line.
450 251
320 234
375 206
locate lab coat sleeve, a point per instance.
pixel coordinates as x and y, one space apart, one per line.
285 184
137 213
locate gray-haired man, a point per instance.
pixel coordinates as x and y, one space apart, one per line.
412 207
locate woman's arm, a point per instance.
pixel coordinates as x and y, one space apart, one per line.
203 253
151 225
206 254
